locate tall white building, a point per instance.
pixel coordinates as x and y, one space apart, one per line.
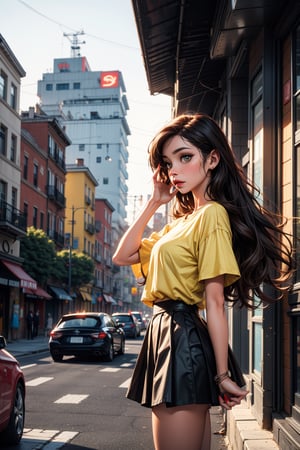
92 106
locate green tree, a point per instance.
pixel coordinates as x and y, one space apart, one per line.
38 252
82 268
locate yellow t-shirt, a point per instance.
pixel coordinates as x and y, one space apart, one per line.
191 249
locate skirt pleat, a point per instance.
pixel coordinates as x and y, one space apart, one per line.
176 364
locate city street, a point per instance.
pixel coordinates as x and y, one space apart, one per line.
81 405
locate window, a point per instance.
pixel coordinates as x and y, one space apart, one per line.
13 148
42 216
3 139
25 167
105 180
257 151
3 191
13 96
81 147
49 87
98 159
3 85
25 209
34 217
62 86
14 197
35 174
76 85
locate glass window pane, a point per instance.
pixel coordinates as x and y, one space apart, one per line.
257 344
298 354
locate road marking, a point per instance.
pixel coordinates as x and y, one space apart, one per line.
47 439
110 369
125 384
28 365
126 365
38 381
71 398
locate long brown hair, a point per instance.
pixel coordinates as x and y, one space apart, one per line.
262 248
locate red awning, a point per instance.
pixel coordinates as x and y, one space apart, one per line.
38 292
25 280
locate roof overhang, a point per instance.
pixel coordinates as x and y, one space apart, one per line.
185 44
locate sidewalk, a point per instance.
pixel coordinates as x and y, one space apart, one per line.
22 347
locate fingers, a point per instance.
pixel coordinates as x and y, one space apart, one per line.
228 401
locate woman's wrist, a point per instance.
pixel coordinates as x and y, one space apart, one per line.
221 377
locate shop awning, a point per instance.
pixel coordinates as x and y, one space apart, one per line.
38 292
109 299
85 295
25 280
59 293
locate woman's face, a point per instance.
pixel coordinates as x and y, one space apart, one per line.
187 170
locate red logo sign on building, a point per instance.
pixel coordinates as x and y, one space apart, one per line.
63 66
109 79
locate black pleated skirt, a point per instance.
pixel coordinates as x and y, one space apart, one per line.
176 364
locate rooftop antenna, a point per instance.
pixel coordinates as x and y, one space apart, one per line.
75 43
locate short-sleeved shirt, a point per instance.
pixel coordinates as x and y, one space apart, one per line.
177 260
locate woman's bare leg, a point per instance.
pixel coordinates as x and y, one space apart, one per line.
181 427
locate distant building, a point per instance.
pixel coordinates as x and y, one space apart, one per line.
92 106
44 143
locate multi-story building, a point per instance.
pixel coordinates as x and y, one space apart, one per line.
13 278
103 256
239 62
43 144
80 221
92 106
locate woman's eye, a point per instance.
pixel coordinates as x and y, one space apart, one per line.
168 165
186 158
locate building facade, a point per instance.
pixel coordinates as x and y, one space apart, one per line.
13 278
92 106
239 62
43 145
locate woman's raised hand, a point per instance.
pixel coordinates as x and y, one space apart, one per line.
161 192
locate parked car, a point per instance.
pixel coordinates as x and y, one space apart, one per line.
140 320
12 397
129 324
86 334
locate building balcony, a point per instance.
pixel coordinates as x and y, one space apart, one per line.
90 228
54 194
12 221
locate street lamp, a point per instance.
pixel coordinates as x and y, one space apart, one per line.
71 246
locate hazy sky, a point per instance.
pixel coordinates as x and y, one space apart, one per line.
34 30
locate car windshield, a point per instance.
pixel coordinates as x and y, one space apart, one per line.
123 318
137 316
90 322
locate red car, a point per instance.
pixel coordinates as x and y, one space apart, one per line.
12 397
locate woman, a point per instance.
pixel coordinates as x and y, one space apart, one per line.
221 247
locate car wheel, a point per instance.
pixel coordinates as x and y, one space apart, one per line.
57 357
110 354
13 433
122 348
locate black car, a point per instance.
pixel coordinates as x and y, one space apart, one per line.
129 323
87 334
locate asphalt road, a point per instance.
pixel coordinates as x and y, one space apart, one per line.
81 405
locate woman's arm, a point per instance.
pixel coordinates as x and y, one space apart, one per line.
127 252
218 331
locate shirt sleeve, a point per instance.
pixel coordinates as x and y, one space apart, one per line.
216 257
140 270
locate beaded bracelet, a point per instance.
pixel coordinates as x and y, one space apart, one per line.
219 378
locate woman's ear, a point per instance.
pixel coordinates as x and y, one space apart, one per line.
213 159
